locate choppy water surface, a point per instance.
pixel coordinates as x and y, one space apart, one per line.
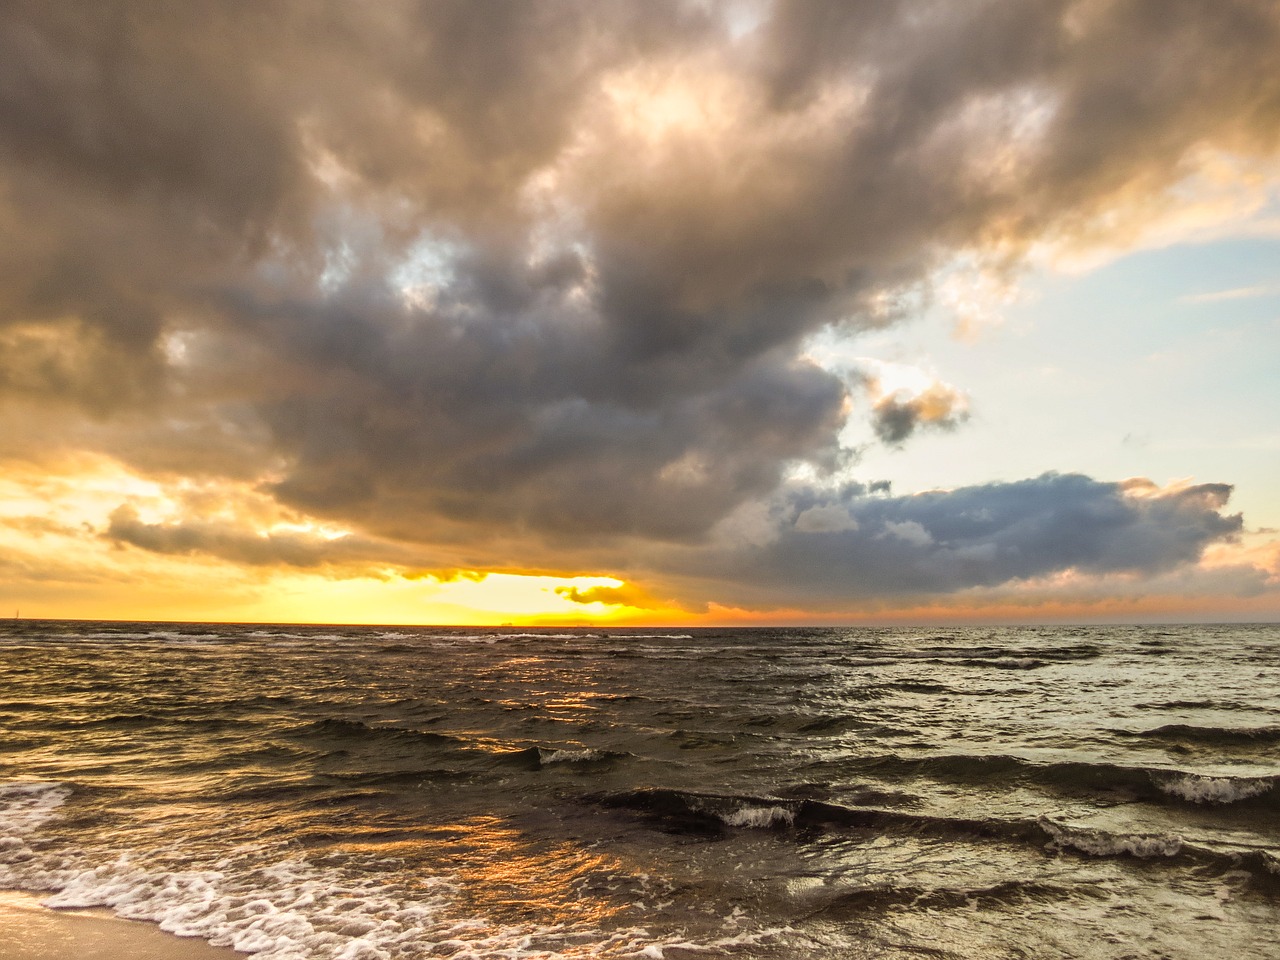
363 793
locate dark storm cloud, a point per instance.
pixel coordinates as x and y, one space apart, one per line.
523 413
447 271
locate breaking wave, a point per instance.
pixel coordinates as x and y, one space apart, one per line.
713 814
291 908
1149 784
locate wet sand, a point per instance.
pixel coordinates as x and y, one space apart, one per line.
29 931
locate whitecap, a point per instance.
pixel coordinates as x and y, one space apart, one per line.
759 817
569 756
1216 790
1099 843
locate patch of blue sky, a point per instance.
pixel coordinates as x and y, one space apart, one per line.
1135 368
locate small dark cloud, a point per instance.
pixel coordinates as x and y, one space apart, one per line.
896 417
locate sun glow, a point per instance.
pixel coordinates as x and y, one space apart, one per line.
143 547
467 599
156 548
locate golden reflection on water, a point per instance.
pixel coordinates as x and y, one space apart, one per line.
258 779
504 873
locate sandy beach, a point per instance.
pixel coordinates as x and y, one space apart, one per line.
29 931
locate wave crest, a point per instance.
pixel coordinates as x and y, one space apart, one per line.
1099 843
1217 790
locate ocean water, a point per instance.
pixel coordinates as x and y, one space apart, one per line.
321 793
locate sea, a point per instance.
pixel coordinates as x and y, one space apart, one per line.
365 793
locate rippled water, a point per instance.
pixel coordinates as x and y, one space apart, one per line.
363 793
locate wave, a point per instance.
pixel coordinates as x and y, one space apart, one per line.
486 637
1000 655
290 908
856 902
701 739
919 686
1190 705
339 730
345 739
679 811
1217 790
689 812
1148 784
25 805
759 817
345 735
1006 663
415 776
125 722
1208 735
1101 843
584 757
831 723
991 657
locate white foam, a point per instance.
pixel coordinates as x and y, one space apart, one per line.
295 910
290 910
759 817
26 804
1217 789
648 636
1099 843
491 637
569 756
24 807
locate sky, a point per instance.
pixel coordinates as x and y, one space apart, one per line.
834 311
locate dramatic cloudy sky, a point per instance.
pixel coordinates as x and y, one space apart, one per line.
701 311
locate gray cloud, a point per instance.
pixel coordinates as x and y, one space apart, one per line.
461 273
981 536
239 543
896 417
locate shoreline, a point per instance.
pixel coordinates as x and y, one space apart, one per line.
31 931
